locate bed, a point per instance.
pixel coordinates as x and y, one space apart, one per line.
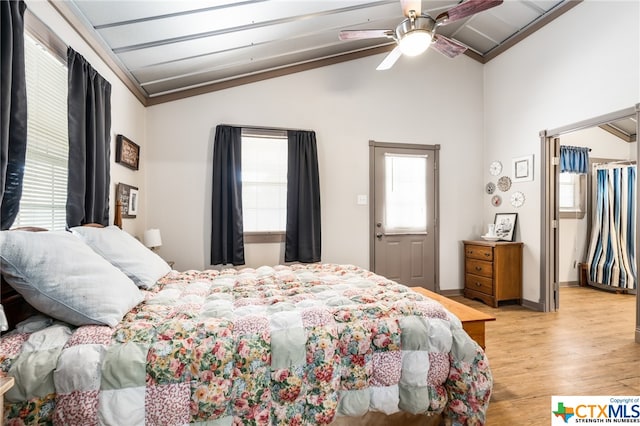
295 344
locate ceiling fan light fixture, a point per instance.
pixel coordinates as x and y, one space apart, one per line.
415 42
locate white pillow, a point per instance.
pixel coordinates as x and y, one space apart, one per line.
62 277
126 253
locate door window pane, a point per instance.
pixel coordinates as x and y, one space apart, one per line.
405 193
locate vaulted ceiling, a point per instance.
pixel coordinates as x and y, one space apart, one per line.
166 50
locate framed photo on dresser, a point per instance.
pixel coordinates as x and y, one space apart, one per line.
505 225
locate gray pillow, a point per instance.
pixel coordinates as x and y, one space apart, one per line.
62 277
124 252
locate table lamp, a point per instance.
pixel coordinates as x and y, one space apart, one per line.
152 238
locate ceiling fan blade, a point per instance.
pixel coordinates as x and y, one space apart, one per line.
362 34
448 47
469 7
408 5
390 59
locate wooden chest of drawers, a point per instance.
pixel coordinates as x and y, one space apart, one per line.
493 271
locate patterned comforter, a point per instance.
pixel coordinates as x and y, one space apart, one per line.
285 345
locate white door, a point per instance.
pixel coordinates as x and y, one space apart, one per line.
404 220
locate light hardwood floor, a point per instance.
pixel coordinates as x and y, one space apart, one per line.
587 348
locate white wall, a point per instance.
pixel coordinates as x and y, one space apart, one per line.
427 100
567 72
127 113
573 232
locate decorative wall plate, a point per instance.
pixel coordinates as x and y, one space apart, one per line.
504 183
496 200
517 199
495 168
490 188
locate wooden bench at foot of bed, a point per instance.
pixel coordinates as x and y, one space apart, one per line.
472 319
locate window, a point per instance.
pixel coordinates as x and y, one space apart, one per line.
264 181
44 191
405 193
252 188
572 194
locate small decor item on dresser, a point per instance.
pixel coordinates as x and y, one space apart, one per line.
491 233
505 225
127 152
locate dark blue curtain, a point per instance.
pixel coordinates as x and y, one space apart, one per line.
303 199
89 105
13 142
574 159
227 240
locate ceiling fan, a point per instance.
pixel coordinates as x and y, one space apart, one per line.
417 31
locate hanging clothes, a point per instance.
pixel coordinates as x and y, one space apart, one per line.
612 248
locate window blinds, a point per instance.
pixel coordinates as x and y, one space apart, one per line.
44 195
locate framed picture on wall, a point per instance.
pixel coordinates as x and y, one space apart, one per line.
128 197
127 152
523 169
505 225
133 202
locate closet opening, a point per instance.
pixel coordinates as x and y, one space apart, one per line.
590 229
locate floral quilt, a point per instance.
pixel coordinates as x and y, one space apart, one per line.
290 345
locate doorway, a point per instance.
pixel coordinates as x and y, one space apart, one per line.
404 213
550 139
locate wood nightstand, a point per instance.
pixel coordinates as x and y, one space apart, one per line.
6 383
493 271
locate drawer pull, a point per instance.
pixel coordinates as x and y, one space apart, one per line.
469 251
478 268
478 284
487 254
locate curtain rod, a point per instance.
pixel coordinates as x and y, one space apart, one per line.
284 129
573 146
613 165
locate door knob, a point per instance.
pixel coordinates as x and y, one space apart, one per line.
379 235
